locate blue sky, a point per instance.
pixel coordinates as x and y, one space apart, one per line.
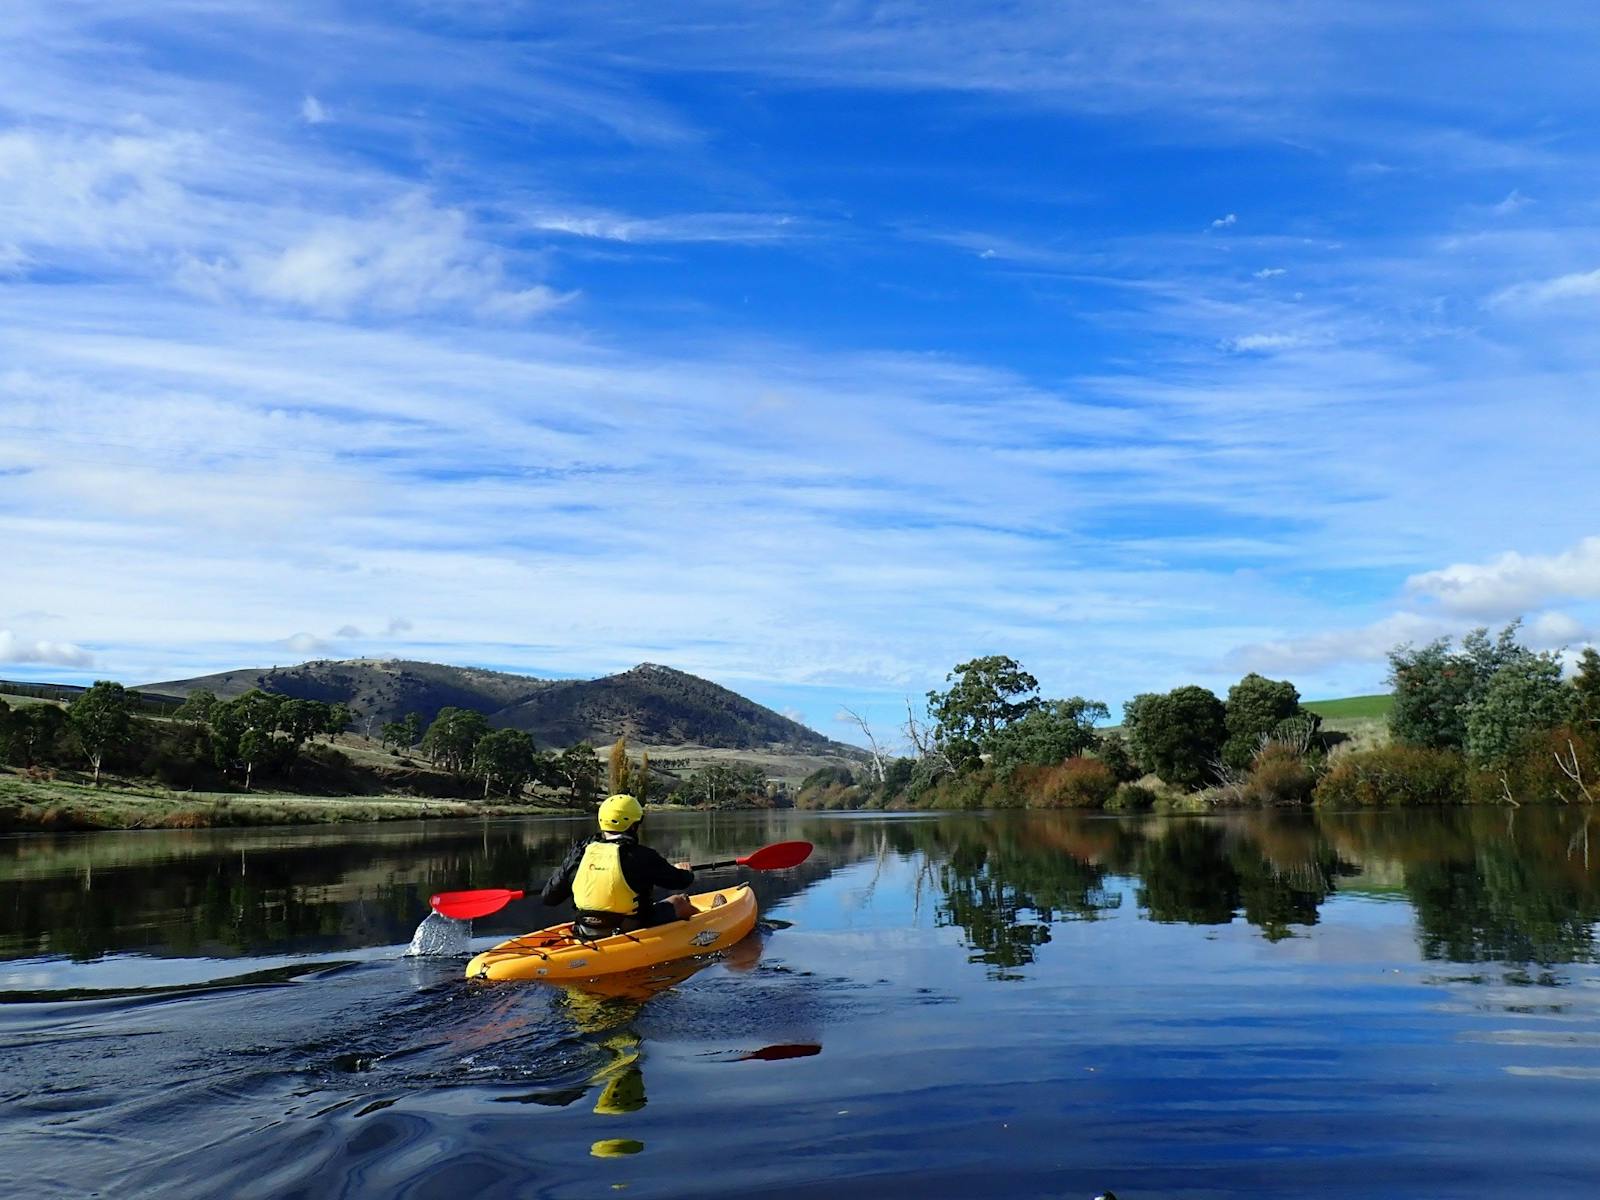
809 348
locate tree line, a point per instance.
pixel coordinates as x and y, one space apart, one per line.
210 743
1490 720
204 738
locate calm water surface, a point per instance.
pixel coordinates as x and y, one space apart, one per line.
1385 1005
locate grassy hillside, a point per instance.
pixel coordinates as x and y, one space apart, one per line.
654 705
1351 707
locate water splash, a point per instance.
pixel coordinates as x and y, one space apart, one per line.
440 937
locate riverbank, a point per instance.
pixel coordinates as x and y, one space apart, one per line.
27 804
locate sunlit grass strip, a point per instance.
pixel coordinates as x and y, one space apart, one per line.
1352 706
53 804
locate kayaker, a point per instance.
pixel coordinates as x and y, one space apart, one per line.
611 876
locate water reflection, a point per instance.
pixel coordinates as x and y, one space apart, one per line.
1486 886
605 1012
1226 1006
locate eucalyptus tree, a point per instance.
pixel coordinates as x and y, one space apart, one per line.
102 717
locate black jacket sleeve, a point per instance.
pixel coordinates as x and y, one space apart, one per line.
558 888
654 871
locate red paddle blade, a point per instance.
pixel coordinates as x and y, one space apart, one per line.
777 856
463 906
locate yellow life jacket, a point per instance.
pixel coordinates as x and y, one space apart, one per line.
599 885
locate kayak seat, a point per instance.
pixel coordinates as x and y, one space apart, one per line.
590 927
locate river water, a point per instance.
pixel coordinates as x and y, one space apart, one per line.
1383 1005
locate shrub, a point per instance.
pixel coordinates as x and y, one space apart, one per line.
829 796
1255 706
1522 699
824 777
969 791
1394 774
1054 731
1176 735
1113 751
1132 797
1076 783
1279 776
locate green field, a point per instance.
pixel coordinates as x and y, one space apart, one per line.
18 701
1352 706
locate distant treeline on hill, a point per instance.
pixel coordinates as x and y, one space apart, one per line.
262 738
153 703
1492 721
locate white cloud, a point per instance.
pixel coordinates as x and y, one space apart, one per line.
1577 286
304 643
411 257
394 627
313 112
1555 630
1225 222
1513 583
17 649
1514 200
1270 272
1315 652
1256 343
732 227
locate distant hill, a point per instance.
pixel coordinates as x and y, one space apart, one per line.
383 689
654 705
651 704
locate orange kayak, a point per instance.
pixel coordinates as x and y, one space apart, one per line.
557 954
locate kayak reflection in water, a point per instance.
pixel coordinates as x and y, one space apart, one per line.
606 1009
611 877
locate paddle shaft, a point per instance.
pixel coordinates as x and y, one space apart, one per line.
470 904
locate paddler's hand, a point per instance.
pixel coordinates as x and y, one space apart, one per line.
683 866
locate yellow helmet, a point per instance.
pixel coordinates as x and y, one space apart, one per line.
620 813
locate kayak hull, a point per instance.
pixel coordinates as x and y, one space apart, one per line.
555 954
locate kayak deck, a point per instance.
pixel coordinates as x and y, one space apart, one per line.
556 953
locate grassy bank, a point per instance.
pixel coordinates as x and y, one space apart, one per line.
27 804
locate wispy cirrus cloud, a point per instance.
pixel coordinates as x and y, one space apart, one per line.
646 333
1577 286
683 227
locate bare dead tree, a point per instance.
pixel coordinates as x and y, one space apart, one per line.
860 722
923 741
917 732
1231 780
1505 791
1573 770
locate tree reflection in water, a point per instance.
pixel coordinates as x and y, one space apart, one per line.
1485 884
1484 888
